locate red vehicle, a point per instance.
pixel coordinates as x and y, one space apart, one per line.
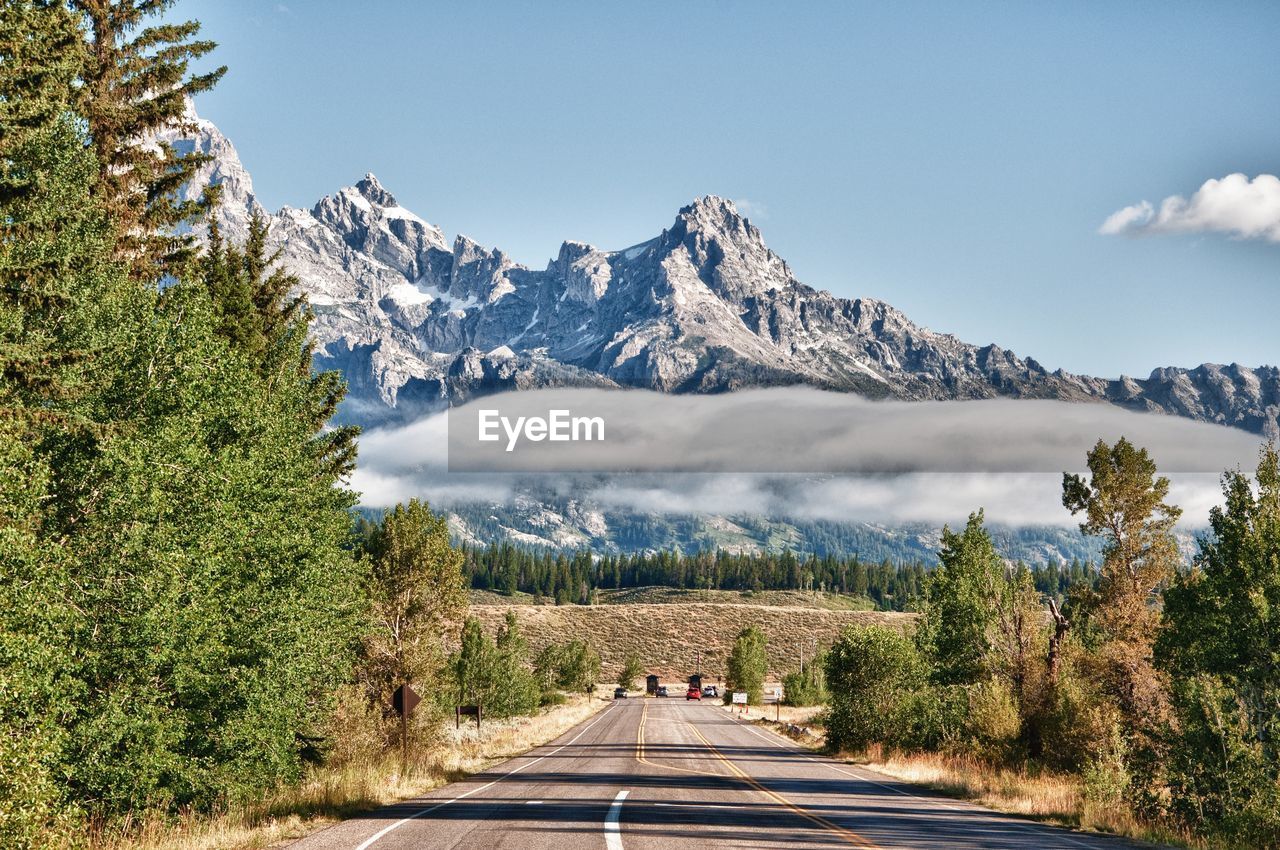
693 693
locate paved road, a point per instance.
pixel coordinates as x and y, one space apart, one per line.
656 773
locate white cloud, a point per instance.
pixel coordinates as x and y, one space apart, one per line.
1234 205
919 461
751 209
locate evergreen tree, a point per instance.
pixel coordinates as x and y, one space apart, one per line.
1124 503
960 611
260 316
135 82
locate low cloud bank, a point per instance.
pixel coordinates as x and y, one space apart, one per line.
800 429
1235 205
910 462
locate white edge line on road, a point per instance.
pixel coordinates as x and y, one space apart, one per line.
612 827
1011 820
369 842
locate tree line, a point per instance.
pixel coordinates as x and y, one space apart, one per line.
1158 686
573 577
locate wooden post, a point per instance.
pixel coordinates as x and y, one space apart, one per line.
404 745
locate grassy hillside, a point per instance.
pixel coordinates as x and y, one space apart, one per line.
669 595
666 636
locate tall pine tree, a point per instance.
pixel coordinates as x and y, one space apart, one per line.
135 82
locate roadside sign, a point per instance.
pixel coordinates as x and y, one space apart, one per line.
466 711
405 700
739 698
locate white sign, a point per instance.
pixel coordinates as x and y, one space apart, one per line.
739 698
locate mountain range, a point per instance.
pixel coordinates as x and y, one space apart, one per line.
415 321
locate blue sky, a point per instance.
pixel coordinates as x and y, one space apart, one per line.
956 160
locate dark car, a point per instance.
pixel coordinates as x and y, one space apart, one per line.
619 693
693 693
662 690
710 691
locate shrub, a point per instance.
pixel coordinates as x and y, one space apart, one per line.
806 686
994 722
875 676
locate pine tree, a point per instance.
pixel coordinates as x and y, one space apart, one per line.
960 606
1124 503
260 314
136 83
50 241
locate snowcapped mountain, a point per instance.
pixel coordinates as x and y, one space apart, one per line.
414 320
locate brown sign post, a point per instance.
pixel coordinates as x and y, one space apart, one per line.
404 701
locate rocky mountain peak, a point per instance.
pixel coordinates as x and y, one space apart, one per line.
374 193
703 307
726 250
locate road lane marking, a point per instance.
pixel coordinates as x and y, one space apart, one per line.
371 840
533 802
641 758
847 834
991 814
612 825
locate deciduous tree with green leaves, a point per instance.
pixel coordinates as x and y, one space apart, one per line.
748 664
418 597
1220 643
631 670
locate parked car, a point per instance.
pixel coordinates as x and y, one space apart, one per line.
710 691
693 693
662 690
619 693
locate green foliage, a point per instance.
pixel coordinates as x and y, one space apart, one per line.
572 666
1220 642
959 611
1124 503
875 676
519 692
133 82
631 670
176 601
416 596
213 559
495 674
748 664
808 685
993 721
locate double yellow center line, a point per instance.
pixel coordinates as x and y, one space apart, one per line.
848 835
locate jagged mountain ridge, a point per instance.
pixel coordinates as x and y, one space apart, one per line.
415 321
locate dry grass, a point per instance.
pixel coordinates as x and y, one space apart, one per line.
329 794
658 595
666 637
1050 797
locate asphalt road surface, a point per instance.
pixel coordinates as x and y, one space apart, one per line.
664 773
